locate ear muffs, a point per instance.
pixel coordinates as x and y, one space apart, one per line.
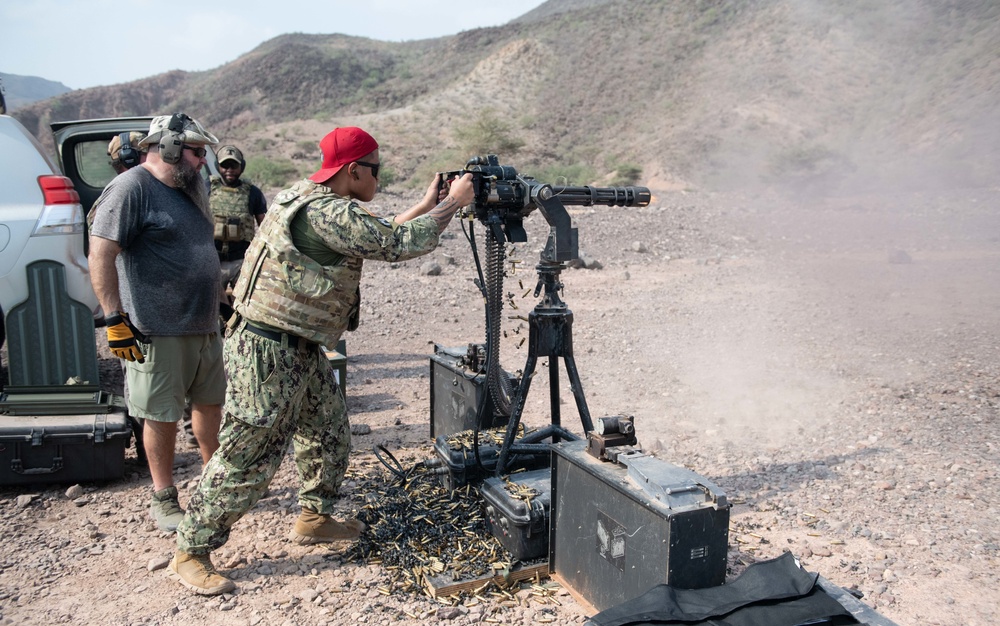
127 155
171 145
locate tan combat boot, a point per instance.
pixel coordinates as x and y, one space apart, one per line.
196 572
311 527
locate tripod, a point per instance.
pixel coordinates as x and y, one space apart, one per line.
550 333
502 200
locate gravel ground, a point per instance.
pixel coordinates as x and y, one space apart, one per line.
832 365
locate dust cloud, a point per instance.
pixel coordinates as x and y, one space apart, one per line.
872 216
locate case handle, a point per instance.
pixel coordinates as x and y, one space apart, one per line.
17 466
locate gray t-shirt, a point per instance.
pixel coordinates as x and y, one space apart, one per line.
168 270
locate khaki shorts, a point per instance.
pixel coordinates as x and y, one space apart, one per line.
176 369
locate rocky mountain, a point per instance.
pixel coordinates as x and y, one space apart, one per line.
823 96
19 91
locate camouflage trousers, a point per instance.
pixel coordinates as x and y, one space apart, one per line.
274 394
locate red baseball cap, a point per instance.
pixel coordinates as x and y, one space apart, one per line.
340 147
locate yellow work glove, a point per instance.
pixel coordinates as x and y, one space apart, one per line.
122 336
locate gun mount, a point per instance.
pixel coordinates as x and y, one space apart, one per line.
503 198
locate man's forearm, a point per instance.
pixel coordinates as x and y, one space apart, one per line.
104 274
444 211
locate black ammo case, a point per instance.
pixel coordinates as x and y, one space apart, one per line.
466 458
457 388
62 434
620 527
517 509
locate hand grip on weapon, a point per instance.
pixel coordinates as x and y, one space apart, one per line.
122 337
451 196
460 189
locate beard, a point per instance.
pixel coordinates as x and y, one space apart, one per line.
187 179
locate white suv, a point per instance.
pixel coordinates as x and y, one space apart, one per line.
41 219
42 213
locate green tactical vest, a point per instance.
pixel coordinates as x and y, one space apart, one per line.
231 211
283 288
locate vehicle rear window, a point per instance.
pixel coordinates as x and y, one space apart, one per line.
93 163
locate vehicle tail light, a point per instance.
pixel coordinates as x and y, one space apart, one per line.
63 213
58 190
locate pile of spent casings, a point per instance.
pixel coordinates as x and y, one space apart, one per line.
417 529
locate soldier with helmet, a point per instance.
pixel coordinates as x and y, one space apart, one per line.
299 289
238 207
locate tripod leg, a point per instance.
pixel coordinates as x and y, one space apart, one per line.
581 402
515 411
554 395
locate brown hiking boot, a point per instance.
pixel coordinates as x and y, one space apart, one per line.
196 572
311 527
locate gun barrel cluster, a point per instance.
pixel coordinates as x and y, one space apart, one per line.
608 196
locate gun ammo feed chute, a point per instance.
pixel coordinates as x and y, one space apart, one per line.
502 199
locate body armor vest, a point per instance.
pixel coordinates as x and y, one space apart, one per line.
283 288
231 212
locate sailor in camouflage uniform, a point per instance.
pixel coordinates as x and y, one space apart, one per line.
299 290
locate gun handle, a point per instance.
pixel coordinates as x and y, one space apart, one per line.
444 185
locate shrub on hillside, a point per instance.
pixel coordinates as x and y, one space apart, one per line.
488 133
272 172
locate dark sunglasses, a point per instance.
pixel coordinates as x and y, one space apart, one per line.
374 167
199 152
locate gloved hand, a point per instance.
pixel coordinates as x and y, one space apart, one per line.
122 336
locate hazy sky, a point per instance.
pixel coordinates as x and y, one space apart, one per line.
85 43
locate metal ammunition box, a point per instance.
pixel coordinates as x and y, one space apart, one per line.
517 510
619 528
456 391
338 359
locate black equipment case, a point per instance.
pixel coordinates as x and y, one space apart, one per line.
457 388
63 434
470 456
620 527
517 510
465 460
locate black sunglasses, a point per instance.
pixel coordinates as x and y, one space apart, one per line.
199 152
373 166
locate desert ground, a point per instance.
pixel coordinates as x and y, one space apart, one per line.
831 363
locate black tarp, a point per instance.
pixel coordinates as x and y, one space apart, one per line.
770 593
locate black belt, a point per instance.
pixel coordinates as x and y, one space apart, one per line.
292 341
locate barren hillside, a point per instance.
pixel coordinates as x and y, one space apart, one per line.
715 94
806 314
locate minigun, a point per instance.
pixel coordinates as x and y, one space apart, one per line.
503 198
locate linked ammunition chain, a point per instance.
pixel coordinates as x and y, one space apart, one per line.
497 382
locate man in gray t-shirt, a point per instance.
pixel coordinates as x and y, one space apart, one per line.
155 271
168 250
